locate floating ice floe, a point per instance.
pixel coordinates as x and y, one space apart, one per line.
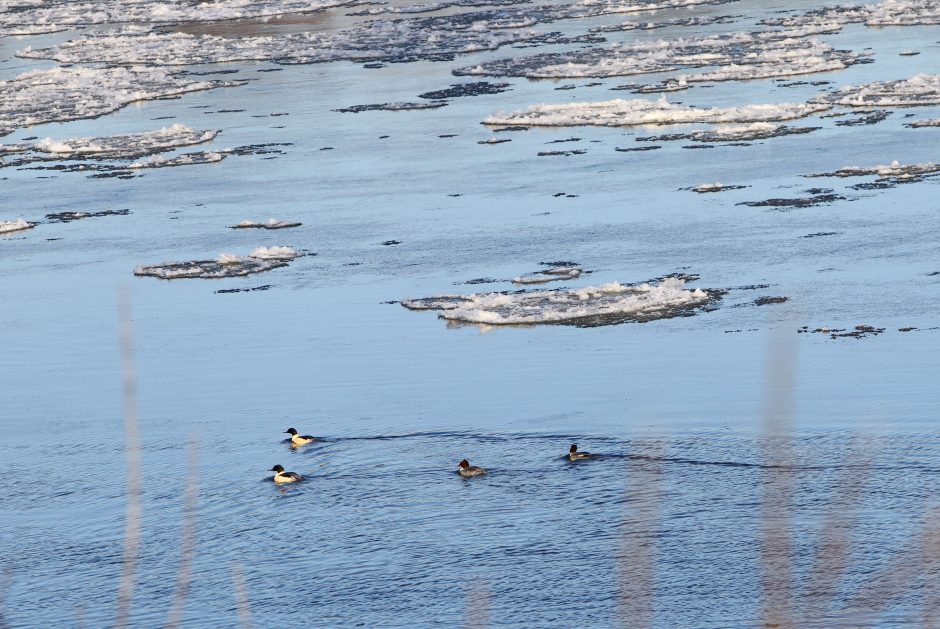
927 122
736 133
553 274
888 13
715 187
398 40
128 146
8 227
186 159
271 224
33 16
433 6
62 94
226 265
619 112
113 148
921 89
590 306
408 39
740 56
894 172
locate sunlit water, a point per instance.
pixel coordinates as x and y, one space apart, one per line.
382 532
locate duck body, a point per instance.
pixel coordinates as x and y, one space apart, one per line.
299 440
466 470
281 477
574 455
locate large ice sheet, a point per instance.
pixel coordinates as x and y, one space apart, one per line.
619 112
61 94
592 305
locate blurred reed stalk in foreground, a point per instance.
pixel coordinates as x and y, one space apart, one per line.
776 540
132 446
641 528
188 537
477 607
241 596
134 513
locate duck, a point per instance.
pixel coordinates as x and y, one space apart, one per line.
281 476
299 440
466 470
574 455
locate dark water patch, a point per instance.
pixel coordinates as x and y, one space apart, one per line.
448 135
355 109
802 83
562 141
637 149
272 224
820 234
244 290
747 132
511 127
766 301
561 153
797 202
478 280
460 90
211 73
68 217
268 148
874 185
858 332
116 174
864 117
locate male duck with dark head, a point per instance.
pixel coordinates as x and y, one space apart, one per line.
299 440
281 477
574 455
466 470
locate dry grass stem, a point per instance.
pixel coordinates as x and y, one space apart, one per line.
477 608
241 596
833 550
187 537
641 525
132 446
775 528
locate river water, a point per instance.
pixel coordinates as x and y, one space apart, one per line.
726 431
